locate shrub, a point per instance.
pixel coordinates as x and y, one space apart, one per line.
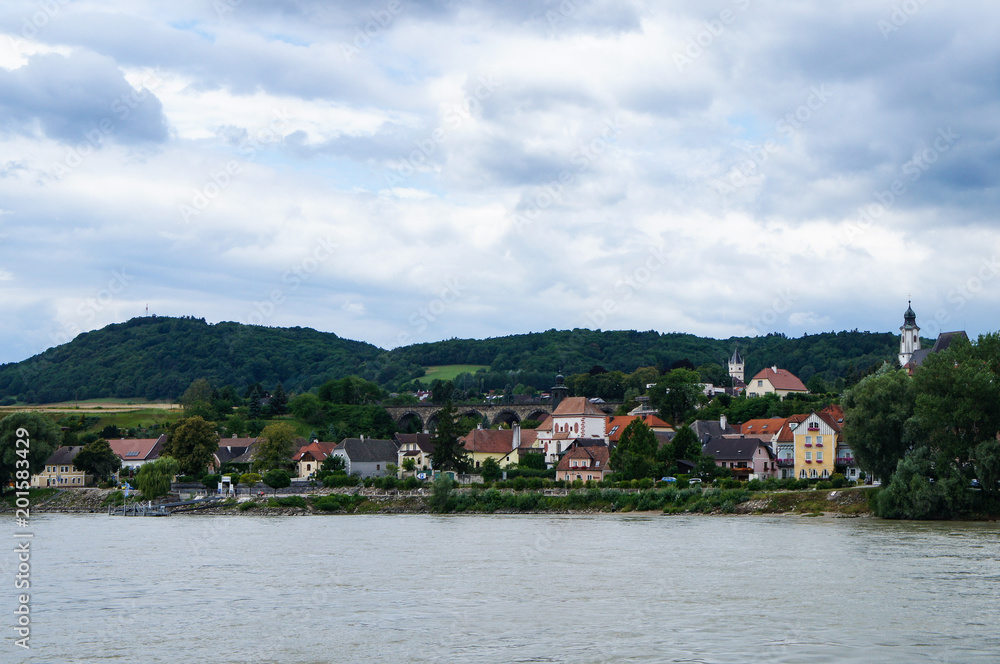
248 505
339 480
291 501
837 480
755 485
823 485
211 482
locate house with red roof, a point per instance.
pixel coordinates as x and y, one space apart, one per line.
584 463
616 425
310 457
505 446
135 452
773 380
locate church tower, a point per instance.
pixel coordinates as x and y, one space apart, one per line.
736 365
559 392
909 337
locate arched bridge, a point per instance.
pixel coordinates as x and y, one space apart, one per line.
425 415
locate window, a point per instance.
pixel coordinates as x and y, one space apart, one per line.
760 383
813 474
809 440
825 473
809 456
802 474
819 456
819 441
378 466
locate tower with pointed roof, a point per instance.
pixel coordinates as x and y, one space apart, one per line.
909 336
736 365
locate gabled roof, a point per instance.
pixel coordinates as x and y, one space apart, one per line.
763 427
489 441
781 379
315 450
787 433
735 449
596 455
577 406
231 449
423 441
706 429
369 450
616 424
545 424
138 449
64 455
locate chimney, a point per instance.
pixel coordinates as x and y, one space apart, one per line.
723 422
774 368
516 427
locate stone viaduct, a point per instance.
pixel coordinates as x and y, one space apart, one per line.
426 415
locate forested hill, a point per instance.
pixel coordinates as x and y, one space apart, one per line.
833 355
158 357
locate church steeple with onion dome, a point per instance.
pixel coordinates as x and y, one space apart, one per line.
909 337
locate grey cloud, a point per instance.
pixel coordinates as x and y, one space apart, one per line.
69 96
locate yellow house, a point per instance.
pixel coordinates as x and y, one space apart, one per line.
416 446
60 472
816 441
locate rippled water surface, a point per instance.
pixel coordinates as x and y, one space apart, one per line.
415 588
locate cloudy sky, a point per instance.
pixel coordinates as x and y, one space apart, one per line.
401 171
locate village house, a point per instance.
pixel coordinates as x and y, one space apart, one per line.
135 452
773 380
231 450
746 456
60 472
616 424
310 457
584 463
367 457
816 441
416 446
574 418
505 446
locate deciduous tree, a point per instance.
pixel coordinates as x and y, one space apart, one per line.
98 459
27 440
449 452
192 442
275 447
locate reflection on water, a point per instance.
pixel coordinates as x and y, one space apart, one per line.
597 588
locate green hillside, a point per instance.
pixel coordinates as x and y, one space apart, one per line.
157 358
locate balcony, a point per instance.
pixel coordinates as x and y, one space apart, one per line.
786 463
845 461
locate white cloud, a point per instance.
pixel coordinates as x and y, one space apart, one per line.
418 159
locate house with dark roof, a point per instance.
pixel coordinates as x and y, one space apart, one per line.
773 380
367 457
135 452
706 429
746 456
60 472
416 446
230 450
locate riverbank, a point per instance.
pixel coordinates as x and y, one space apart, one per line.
852 502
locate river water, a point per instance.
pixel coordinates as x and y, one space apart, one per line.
526 588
